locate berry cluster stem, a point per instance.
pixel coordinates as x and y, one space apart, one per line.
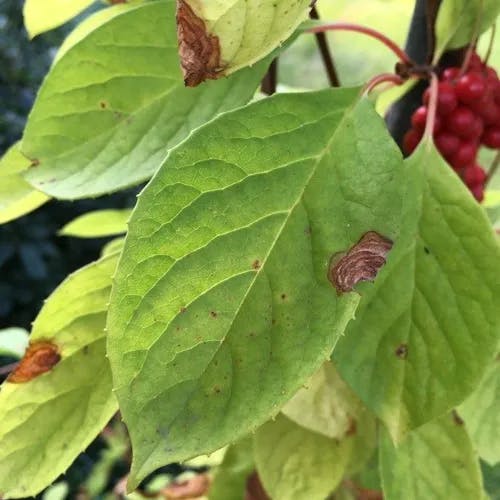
400 53
431 116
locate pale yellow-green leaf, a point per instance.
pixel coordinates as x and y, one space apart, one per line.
248 30
17 197
98 224
325 405
48 421
43 15
481 411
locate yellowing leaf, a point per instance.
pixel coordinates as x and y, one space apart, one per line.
43 15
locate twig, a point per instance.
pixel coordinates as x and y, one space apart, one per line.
5 370
325 53
270 81
490 45
383 78
403 57
493 168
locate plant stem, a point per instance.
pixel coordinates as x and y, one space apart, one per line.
383 78
431 115
403 57
325 53
270 81
490 45
493 168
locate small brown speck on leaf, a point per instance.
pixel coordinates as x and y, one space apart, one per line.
361 263
103 105
353 427
213 314
35 162
199 51
183 310
256 264
456 418
39 358
402 351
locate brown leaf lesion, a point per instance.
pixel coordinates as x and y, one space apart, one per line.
361 263
199 50
40 357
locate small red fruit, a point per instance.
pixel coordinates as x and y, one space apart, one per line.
462 122
411 140
491 137
470 87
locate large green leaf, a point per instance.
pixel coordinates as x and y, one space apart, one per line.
232 474
436 461
459 21
425 330
325 405
222 307
481 411
47 421
219 37
114 103
17 197
43 15
98 224
296 464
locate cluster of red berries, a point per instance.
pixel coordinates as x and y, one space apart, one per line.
468 115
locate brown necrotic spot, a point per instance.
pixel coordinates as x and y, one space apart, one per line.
199 51
402 351
256 264
456 418
361 263
40 357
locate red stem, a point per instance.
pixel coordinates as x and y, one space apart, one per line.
403 57
383 78
431 114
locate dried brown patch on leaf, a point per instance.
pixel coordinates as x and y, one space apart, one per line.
192 488
456 418
199 50
40 357
361 263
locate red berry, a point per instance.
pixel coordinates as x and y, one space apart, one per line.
464 155
451 74
474 176
470 87
491 137
475 61
478 192
419 118
462 122
446 143
447 100
411 140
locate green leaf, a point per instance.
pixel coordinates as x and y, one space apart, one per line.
114 103
17 197
231 476
221 302
41 15
481 411
491 478
98 224
294 463
115 245
13 342
236 33
435 461
460 21
325 405
425 330
49 420
58 491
